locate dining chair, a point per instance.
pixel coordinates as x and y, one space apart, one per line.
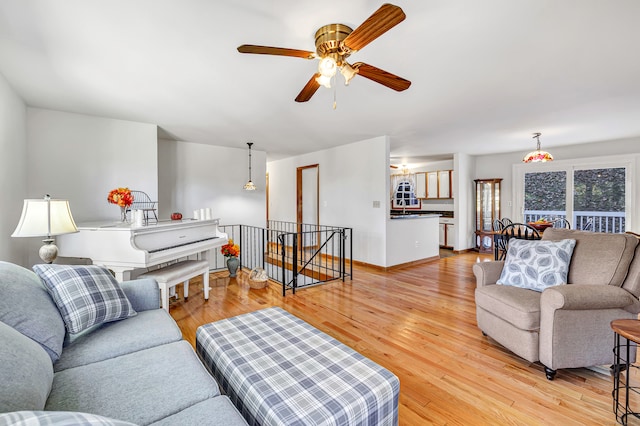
515 230
497 227
142 201
561 223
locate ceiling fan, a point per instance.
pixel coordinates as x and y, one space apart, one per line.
334 44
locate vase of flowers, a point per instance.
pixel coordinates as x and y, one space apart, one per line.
231 251
123 198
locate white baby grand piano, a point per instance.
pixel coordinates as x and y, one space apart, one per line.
123 247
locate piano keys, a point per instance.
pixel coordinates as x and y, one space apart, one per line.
124 247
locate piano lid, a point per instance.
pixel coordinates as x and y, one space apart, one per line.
123 247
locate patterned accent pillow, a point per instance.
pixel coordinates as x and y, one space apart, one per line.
85 295
536 264
49 418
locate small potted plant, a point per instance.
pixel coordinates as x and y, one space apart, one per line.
231 251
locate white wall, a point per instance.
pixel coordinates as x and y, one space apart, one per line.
464 167
81 158
409 240
13 172
194 176
352 177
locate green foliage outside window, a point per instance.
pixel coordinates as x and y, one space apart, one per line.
599 190
545 191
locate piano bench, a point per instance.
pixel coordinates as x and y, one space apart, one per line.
177 273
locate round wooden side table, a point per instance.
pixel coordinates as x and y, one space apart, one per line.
625 393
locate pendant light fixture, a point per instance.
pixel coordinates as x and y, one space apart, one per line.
538 155
249 186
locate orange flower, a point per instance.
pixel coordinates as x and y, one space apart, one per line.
230 249
121 197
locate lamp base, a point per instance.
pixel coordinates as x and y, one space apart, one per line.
49 251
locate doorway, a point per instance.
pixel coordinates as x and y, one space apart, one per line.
307 203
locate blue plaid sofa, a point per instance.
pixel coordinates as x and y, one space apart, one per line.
70 354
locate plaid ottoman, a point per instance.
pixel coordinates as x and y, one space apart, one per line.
279 370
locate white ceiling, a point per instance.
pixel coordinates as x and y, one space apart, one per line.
485 74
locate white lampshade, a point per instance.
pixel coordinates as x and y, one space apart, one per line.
45 218
324 80
327 66
348 72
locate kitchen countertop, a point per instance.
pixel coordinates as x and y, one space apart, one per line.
414 216
442 213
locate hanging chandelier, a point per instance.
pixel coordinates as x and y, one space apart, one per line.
249 186
538 155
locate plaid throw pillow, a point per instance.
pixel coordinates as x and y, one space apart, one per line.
85 295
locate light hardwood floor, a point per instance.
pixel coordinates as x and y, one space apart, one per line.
419 322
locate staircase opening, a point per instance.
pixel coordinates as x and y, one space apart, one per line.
284 251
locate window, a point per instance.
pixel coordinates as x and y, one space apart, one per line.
592 194
404 195
599 199
545 195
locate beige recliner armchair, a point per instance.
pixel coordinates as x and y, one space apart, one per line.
565 326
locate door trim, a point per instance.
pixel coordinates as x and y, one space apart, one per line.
299 192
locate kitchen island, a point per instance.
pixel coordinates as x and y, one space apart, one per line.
411 238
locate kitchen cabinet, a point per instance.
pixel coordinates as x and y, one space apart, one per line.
439 184
421 185
444 184
447 232
449 237
432 185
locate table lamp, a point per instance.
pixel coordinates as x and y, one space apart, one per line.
45 218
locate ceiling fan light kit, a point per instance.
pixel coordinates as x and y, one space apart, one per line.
334 44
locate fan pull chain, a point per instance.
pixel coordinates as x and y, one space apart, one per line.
335 90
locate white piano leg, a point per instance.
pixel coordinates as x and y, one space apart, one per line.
185 290
204 255
205 280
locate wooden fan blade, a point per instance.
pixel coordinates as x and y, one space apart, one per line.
280 51
382 20
309 89
385 78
